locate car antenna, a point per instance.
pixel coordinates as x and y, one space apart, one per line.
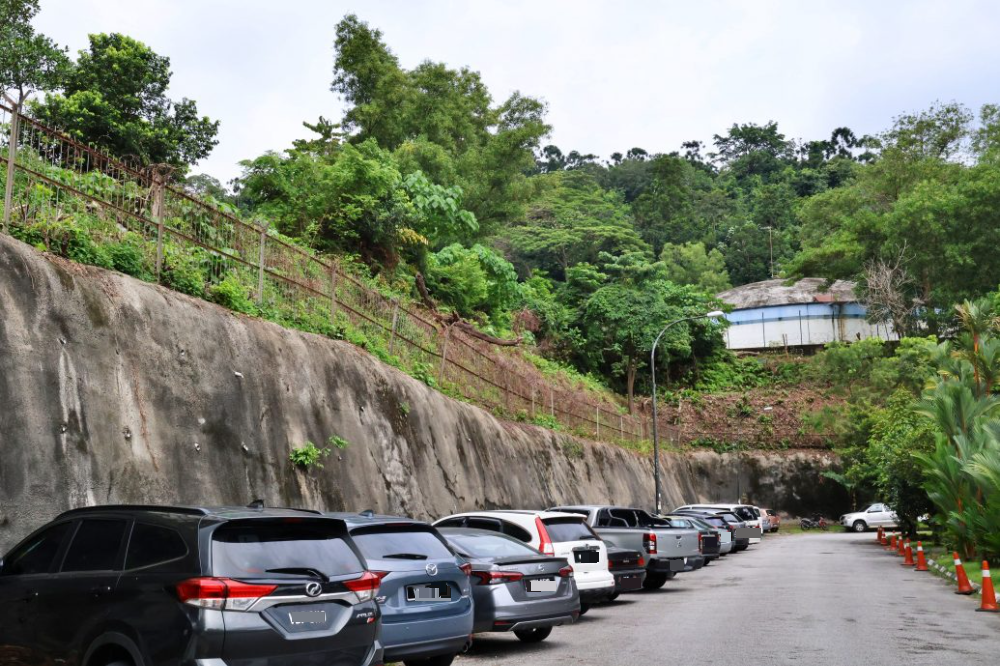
367 513
256 505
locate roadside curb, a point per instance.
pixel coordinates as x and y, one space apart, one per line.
950 574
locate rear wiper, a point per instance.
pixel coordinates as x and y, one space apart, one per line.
307 571
405 556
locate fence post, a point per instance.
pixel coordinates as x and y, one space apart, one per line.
333 292
8 193
621 425
158 186
598 409
260 263
395 318
552 402
444 353
532 401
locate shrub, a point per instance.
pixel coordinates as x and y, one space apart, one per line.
337 442
308 455
232 294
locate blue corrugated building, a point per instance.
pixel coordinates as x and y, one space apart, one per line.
809 313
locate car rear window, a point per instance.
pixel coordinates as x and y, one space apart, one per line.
487 545
717 522
568 529
413 543
253 547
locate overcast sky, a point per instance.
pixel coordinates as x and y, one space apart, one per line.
614 74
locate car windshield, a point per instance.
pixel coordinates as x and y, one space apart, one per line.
489 546
263 547
714 521
401 543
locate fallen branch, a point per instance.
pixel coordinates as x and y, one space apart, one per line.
456 321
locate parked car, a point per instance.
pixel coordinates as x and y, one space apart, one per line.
765 520
744 512
876 515
515 588
731 521
157 585
551 533
667 549
708 538
719 534
425 594
629 569
773 519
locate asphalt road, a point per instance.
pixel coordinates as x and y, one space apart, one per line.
824 598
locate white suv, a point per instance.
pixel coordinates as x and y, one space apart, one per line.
877 515
552 533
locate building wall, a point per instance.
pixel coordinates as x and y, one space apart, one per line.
801 325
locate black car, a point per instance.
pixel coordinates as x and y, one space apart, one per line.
151 585
629 569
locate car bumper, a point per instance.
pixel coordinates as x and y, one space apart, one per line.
416 639
498 610
597 594
536 623
629 580
695 562
665 565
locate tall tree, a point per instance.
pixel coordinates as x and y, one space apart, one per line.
115 97
28 61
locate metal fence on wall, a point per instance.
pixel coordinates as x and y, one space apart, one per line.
51 178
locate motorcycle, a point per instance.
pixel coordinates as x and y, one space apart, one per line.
817 522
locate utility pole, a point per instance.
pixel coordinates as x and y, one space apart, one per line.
770 246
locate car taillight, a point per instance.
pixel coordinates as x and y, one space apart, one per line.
649 542
566 572
700 547
642 561
367 585
496 577
545 545
221 593
466 568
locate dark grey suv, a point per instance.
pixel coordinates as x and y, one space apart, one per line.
146 585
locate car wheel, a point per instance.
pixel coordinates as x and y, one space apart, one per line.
583 609
536 635
614 595
654 581
859 526
440 660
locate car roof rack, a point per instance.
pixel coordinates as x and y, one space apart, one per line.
151 508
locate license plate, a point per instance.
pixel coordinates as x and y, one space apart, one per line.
629 582
746 533
677 565
299 618
543 585
586 556
437 592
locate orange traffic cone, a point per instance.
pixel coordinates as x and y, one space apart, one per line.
964 586
878 536
901 551
921 560
892 543
908 562
989 602
885 538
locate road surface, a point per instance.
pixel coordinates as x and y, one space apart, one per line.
808 599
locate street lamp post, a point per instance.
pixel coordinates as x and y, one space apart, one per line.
656 434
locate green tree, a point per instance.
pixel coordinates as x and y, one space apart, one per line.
692 264
473 280
115 97
28 61
573 220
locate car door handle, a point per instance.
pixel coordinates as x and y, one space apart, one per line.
100 590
